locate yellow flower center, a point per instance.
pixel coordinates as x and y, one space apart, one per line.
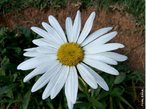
70 54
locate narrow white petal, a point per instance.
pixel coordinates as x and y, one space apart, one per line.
47 91
41 51
71 85
103 39
60 82
45 49
50 57
70 104
47 35
43 42
101 66
115 56
30 64
102 58
50 85
87 28
40 32
39 70
107 37
96 34
30 49
31 54
55 24
98 78
68 27
41 54
40 42
53 33
103 48
76 27
44 79
85 74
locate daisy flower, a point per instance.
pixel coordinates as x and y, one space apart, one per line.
61 57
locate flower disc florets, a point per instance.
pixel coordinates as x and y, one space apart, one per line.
70 54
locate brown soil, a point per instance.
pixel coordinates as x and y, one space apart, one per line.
129 33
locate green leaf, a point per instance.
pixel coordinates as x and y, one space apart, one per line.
95 103
82 85
14 77
4 79
49 104
116 92
119 79
99 105
125 101
111 102
60 106
81 105
6 89
2 72
10 103
5 62
26 100
103 95
120 105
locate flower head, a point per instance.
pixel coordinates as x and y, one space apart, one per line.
60 57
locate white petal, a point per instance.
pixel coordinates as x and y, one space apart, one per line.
39 70
40 42
60 82
85 74
30 64
31 54
70 104
103 39
95 35
101 66
76 27
31 49
49 50
47 35
68 27
71 86
50 57
41 32
43 42
98 78
87 28
50 85
107 37
53 33
44 79
41 54
101 58
115 56
103 48
55 24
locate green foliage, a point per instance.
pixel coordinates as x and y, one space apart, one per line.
15 94
47 3
11 5
136 8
